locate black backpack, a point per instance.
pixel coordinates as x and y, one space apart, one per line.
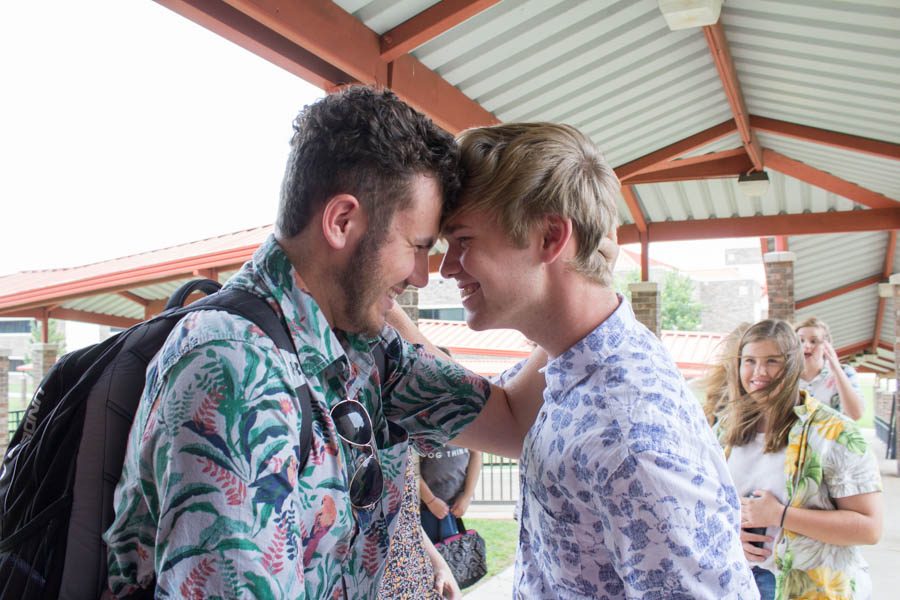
64 461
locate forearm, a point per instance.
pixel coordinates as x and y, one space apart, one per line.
838 527
425 493
851 403
473 470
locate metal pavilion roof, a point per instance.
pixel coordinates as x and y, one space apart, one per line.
809 90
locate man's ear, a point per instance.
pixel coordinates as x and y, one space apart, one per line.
343 221
556 232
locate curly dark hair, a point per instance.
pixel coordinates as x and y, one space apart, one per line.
368 143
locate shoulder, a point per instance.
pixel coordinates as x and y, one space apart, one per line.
834 432
216 338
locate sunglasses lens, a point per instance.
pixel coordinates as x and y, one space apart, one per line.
352 423
367 484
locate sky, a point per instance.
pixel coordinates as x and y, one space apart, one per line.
125 127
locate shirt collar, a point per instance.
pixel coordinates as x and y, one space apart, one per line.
807 406
271 275
596 349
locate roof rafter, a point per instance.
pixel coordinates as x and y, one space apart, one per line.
718 46
727 166
237 27
134 298
876 219
826 138
688 144
429 24
694 160
827 181
838 291
68 314
634 207
325 31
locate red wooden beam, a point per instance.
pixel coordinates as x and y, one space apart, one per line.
827 181
693 160
134 298
853 348
730 166
886 272
429 93
327 32
68 314
840 291
429 24
434 262
645 258
826 138
688 144
880 219
718 46
237 27
634 207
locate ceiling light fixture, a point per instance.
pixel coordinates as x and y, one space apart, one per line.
754 184
682 14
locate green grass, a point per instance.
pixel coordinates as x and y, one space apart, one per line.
500 539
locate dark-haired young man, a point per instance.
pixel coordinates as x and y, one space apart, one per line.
212 500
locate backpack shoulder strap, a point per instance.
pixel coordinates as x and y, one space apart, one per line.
256 310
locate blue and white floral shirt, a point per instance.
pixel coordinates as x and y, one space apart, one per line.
625 491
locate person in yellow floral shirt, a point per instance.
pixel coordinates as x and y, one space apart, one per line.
804 472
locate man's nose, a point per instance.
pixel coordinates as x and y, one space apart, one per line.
449 264
419 276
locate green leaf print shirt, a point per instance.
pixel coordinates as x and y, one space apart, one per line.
212 503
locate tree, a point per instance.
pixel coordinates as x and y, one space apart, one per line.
57 334
680 310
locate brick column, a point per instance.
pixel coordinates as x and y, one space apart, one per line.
4 401
645 302
43 356
409 302
780 283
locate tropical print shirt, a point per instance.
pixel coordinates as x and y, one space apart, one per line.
212 503
827 458
824 388
625 491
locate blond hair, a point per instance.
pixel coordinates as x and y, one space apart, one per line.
519 172
715 381
815 322
776 402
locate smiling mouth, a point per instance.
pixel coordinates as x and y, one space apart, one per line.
466 291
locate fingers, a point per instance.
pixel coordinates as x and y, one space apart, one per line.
754 554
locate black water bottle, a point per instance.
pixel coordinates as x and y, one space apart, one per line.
756 530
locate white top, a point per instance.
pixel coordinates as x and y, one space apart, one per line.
753 469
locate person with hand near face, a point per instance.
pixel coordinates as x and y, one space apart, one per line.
804 473
824 377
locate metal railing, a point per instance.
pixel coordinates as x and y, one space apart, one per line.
15 417
498 482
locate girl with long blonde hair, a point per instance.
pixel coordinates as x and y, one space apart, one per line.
809 486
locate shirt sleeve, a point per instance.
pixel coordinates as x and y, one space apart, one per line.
849 467
433 399
671 530
219 463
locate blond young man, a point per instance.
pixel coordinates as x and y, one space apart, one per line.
625 492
